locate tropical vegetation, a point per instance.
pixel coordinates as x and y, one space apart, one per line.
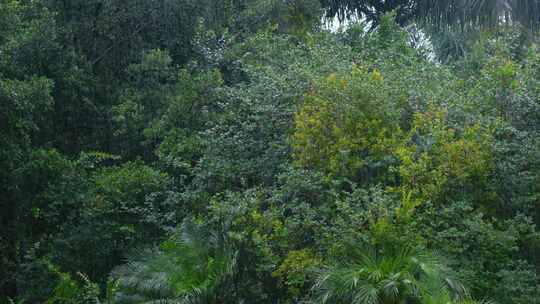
269 151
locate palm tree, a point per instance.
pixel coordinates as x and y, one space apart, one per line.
371 10
479 13
195 266
442 13
385 276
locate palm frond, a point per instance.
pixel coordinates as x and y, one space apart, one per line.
479 13
386 275
192 267
463 14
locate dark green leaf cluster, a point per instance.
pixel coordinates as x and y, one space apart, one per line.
238 152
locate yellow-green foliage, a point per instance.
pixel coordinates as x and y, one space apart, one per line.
348 125
345 124
436 157
72 291
294 270
504 72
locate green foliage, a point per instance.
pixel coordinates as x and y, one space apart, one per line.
437 159
296 270
385 275
235 151
194 266
126 206
36 278
69 290
248 143
348 127
484 251
164 109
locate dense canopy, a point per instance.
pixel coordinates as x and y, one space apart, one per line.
246 151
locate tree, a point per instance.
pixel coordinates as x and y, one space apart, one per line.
372 10
442 13
25 103
125 207
386 276
194 266
347 126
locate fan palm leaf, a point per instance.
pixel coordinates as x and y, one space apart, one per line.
385 276
193 267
